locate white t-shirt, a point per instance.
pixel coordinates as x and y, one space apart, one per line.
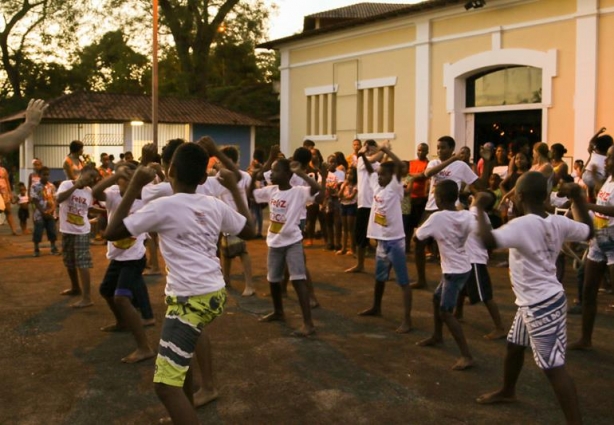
285 209
128 249
604 197
365 189
534 244
386 218
501 170
219 191
155 191
188 226
597 163
474 246
458 172
74 210
296 181
451 230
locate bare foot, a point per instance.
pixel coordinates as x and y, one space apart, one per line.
70 292
496 397
273 317
370 312
496 334
580 346
148 322
152 272
165 420
355 269
82 304
463 363
314 304
202 397
138 356
114 328
304 331
248 292
418 285
429 342
404 328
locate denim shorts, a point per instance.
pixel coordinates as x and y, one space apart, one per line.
391 254
448 289
293 256
601 247
349 210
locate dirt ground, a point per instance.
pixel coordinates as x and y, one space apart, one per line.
57 367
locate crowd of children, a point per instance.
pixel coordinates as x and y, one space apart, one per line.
446 206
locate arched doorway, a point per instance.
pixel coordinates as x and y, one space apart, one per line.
483 99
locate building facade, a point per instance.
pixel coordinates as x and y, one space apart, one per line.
513 68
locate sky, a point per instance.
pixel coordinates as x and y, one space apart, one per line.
289 17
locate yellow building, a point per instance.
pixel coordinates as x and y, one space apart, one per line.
479 71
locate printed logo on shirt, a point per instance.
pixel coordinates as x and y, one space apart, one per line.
75 219
201 218
125 243
380 219
277 215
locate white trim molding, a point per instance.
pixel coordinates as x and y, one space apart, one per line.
321 137
376 83
456 74
314 91
376 136
422 75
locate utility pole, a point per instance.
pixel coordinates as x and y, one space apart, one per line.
154 77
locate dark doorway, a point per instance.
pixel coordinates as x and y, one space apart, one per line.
500 128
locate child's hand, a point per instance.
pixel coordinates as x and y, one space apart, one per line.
458 156
295 167
227 179
208 145
143 176
156 166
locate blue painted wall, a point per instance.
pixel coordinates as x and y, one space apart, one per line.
238 136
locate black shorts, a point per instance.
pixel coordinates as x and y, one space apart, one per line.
23 214
122 278
417 209
478 286
362 223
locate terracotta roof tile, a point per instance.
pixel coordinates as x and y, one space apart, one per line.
359 10
107 107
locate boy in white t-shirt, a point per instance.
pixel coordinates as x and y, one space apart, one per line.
447 167
386 226
75 200
123 281
285 239
450 228
188 225
535 240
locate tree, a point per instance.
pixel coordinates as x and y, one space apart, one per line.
110 64
23 27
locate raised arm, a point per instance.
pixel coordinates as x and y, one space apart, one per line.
228 180
484 227
429 172
11 140
116 229
211 148
295 167
104 184
398 164
579 206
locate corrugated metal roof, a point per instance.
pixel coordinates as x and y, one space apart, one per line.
360 10
406 10
107 107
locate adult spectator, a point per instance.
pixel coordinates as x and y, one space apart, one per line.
73 163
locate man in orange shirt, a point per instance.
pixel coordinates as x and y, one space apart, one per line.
419 191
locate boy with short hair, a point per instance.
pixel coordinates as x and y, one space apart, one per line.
123 281
285 239
535 240
42 196
386 226
188 225
75 199
450 228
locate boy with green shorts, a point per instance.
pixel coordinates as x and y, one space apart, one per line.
188 225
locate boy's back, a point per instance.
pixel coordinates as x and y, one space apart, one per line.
188 226
534 244
450 229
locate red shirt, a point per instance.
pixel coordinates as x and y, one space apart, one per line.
419 188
